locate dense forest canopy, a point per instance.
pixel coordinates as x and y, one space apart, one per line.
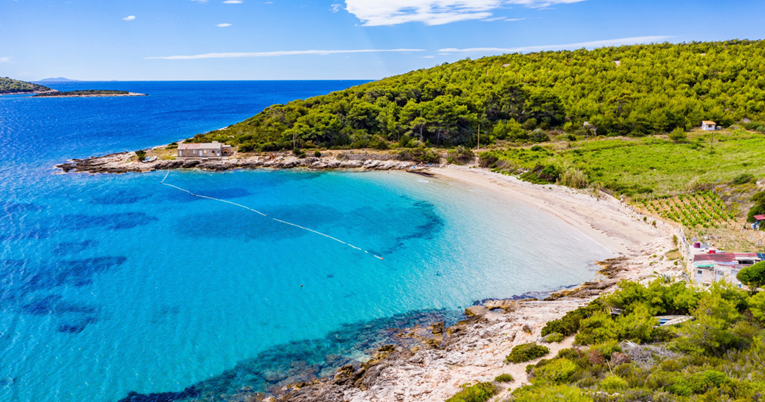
629 90
9 86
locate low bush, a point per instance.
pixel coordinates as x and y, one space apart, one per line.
525 352
556 371
554 337
504 378
742 179
317 154
480 392
140 154
613 383
548 394
574 178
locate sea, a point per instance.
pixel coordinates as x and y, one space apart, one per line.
115 285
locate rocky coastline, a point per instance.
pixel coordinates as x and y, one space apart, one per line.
127 162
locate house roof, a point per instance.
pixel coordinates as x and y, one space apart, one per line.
708 122
745 255
206 145
760 217
718 257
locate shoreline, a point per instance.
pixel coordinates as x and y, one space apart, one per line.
443 359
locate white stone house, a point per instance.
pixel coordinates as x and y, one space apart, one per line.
204 150
708 125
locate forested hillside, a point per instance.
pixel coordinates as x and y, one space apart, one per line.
9 86
628 90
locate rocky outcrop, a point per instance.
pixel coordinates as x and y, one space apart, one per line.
125 162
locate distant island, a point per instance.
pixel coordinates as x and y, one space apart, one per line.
57 79
88 93
10 86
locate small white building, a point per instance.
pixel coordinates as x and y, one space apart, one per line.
708 125
204 150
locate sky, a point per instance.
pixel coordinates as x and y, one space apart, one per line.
135 40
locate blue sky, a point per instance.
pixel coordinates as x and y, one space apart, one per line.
334 39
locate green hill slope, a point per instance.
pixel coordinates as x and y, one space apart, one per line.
629 90
10 86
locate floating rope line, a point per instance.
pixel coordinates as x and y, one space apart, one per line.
265 215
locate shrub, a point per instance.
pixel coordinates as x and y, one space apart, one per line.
753 276
556 371
504 378
480 392
539 135
761 129
526 352
607 348
753 125
554 337
487 160
549 394
678 135
599 328
699 383
317 154
569 323
574 178
529 124
742 179
613 383
757 306
462 155
141 154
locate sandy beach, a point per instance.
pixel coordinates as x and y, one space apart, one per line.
475 350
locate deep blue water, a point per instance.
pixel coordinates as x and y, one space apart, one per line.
114 283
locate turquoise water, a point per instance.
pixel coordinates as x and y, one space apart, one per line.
115 283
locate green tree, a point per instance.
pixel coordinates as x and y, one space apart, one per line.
753 276
678 135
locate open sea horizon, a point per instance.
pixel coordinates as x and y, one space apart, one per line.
114 284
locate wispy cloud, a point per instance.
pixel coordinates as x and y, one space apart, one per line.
336 7
502 19
5 59
233 2
129 18
281 53
434 12
224 25
593 44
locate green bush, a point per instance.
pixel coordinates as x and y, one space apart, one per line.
569 323
607 348
699 383
317 153
480 392
742 179
574 178
613 383
554 337
140 154
757 306
525 352
678 135
599 328
556 393
504 378
753 125
753 276
556 371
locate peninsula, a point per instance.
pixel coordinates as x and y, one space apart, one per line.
88 93
9 86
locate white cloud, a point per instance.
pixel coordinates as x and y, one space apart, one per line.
502 19
129 18
223 25
281 53
200 1
336 7
427 57
5 59
233 2
434 12
599 43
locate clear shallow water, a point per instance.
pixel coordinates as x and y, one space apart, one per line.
113 284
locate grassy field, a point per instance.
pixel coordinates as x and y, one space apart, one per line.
652 165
